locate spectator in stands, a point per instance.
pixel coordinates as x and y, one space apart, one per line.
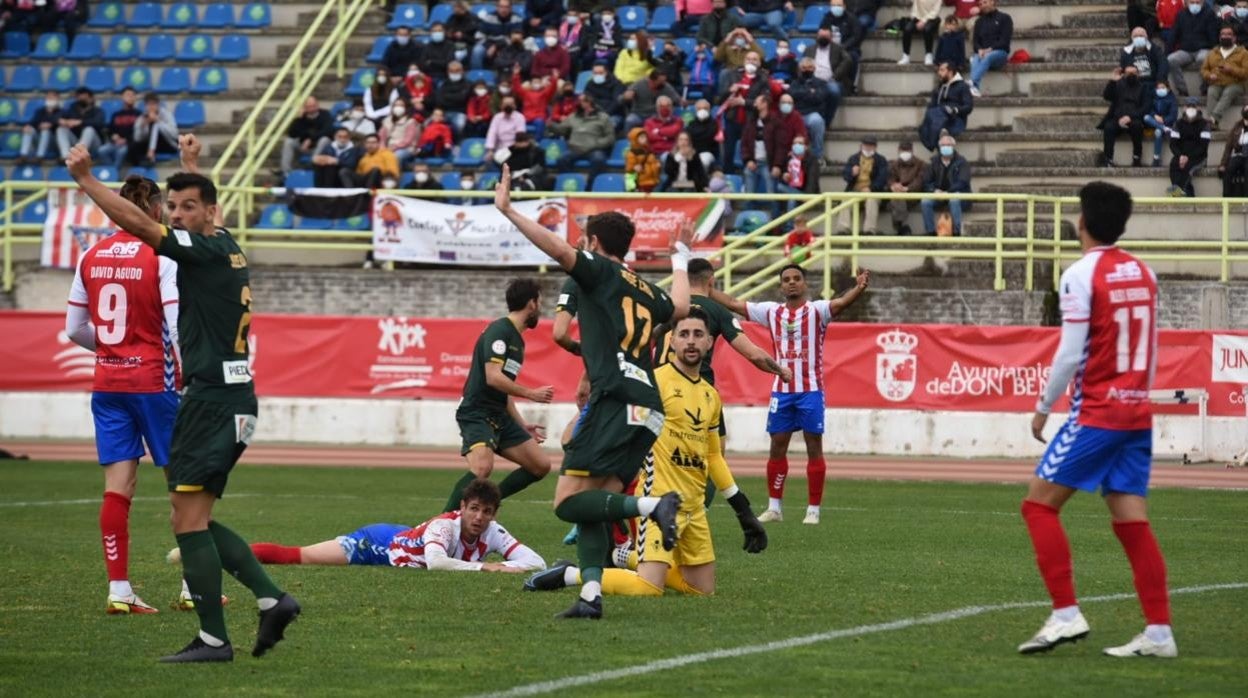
634 62
1195 33
379 96
452 96
496 30
511 55
719 24
467 182
905 176
682 169
552 57
689 15
355 120
574 37
719 185
757 159
1164 113
607 39
542 15
787 125
845 25
865 171
436 55
1189 142
121 131
1238 19
1167 14
703 71
951 48
833 64
436 138
607 93
68 15
461 29
1225 70
784 65
534 97
1143 14
950 105
156 129
590 135
416 89
865 11
663 128
1234 166
949 173
757 13
400 133
1128 103
564 105
378 168
41 128
527 163
81 122
991 43
797 244
924 17
641 167
738 93
334 165
401 53
508 122
671 62
479 112
1148 58
800 174
642 98
704 132
966 10
422 180
816 100
731 52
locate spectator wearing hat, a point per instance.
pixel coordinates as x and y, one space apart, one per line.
990 42
1128 103
1189 142
950 105
948 174
905 176
865 171
1225 70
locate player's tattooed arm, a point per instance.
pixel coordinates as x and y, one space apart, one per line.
847 299
123 213
554 246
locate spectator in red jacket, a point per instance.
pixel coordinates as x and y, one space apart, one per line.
533 97
478 112
1167 14
780 132
436 139
418 85
663 127
565 104
553 57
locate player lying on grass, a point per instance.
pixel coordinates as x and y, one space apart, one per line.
686 451
457 541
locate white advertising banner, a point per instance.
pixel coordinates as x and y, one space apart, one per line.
430 232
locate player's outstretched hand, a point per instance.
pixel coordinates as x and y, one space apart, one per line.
1037 426
502 191
79 162
546 393
864 278
190 148
537 431
685 234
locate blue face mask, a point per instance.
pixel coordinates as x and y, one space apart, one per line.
838 10
1162 92
799 149
946 151
437 37
1139 41
1241 12
631 44
1194 9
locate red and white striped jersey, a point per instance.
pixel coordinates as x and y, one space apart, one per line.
797 334
1116 294
407 549
126 286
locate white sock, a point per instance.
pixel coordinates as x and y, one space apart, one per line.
812 509
591 591
186 591
266 603
646 505
120 588
572 576
1066 614
1158 633
210 640
773 504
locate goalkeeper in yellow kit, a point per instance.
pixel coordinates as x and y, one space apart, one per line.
685 455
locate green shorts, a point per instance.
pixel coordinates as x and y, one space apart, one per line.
208 438
612 438
499 432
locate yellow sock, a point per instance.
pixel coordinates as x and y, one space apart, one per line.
676 581
626 583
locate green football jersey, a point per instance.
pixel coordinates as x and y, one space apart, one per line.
214 313
500 343
618 311
568 298
721 323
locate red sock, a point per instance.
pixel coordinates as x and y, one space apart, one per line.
1052 552
1148 568
274 554
115 531
777 471
816 469
621 532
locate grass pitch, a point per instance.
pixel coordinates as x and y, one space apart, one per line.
885 551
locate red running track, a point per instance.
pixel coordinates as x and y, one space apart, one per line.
1165 474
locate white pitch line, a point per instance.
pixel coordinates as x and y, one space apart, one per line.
566 682
96 500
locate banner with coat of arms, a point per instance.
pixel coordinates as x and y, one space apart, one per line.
419 230
72 226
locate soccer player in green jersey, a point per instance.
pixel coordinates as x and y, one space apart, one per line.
217 415
488 420
618 311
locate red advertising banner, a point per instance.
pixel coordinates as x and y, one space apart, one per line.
655 220
916 367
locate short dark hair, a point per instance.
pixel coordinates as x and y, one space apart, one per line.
701 270
140 191
190 180
340 129
520 292
84 91
484 491
1105 208
695 313
129 88
798 267
151 97
614 231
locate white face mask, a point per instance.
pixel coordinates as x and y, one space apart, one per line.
599 78
465 184
357 115
867 153
704 114
398 111
1190 112
905 156
1139 41
750 69
504 90
481 91
551 41
782 52
422 177
454 77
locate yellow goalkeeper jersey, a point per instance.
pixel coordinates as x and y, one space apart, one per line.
689 443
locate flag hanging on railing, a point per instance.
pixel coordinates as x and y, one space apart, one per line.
333 204
73 224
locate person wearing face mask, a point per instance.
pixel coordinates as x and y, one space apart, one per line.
1238 19
949 173
334 164
755 156
417 87
739 92
663 128
642 98
1189 143
606 92
1164 112
671 62
635 61
436 138
552 57
731 52
574 37
1195 32
865 171
479 112
1148 59
379 96
990 43
40 129
452 95
512 55
1128 103
356 121
81 122
423 180
527 163
542 15
534 98
800 174
817 101
590 135
784 65
1234 166
769 13
565 104
704 133
703 71
400 132
506 124
606 39
905 176
682 169
401 52
1225 70
833 64
467 182
947 111
847 25
437 54
719 24
122 144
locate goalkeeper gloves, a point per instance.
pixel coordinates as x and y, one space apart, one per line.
755 535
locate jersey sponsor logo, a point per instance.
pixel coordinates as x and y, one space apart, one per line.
244 428
695 419
633 371
687 460
1129 295
896 367
119 250
1124 272
238 260
639 416
235 372
499 347
183 237
563 299
1230 358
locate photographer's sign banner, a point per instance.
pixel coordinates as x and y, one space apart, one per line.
73 224
429 232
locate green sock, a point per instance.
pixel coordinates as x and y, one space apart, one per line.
592 548
201 568
241 563
596 506
457 493
710 494
517 480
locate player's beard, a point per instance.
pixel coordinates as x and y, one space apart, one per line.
531 321
687 363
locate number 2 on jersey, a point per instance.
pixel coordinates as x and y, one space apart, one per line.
1124 316
637 327
112 309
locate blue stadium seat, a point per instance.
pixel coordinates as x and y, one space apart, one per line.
483 9
137 76
10 144
361 80
100 78
631 17
617 153
173 81
26 78
148 172
570 182
211 81
109 107
27 173
489 77
353 223
309 223
582 79
555 149
36 213
663 20
656 46
159 47
736 185
749 221
812 19
16 45
687 44
440 13
276 217
86 47
9 113
145 15
196 48
379 49
256 15
485 182
407 180
183 15
106 173
798 46
411 16
50 47
107 15
63 78
339 108
299 179
609 182
471 153
218 15
234 48
33 105
59 174
189 113
122 47
1 78
448 180
768 46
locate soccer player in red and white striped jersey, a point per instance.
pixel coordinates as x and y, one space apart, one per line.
797 329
